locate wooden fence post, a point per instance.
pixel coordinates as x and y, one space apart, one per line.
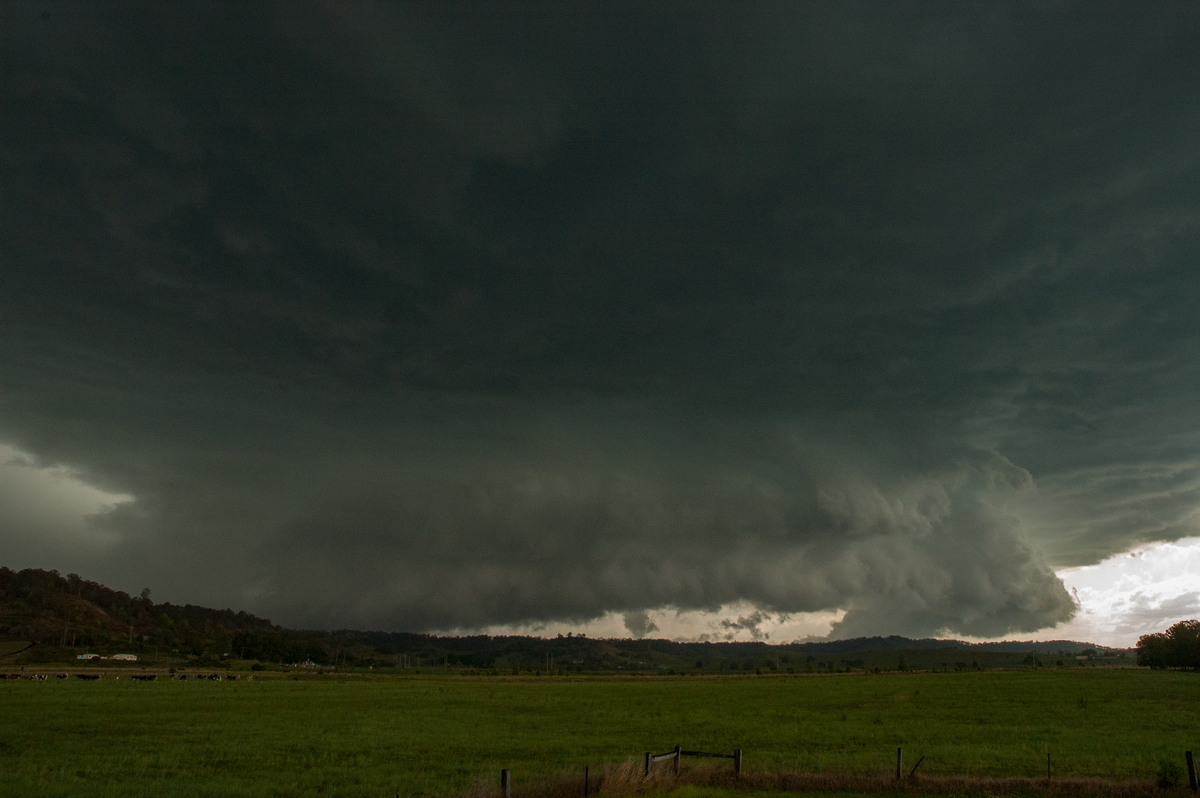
1191 767
677 750
737 762
649 762
506 783
899 762
585 781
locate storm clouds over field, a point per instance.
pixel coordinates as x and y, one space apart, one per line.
440 315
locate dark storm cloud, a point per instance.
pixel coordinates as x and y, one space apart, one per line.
751 623
639 624
420 316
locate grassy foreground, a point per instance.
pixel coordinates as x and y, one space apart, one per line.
442 736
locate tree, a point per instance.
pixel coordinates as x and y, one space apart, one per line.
1177 647
1185 643
1153 651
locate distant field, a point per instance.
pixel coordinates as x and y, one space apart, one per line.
439 736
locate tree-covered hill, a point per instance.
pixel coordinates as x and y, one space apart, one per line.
69 612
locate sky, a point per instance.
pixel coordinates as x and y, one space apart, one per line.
701 320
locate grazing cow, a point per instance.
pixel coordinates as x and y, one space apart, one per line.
91 677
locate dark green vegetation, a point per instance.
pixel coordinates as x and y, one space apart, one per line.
1178 647
66 616
440 735
11 647
62 616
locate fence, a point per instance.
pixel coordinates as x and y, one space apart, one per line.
678 753
1193 779
675 754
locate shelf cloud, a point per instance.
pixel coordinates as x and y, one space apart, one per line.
411 316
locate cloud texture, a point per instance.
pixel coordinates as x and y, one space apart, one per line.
416 317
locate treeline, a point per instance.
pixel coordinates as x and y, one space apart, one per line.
63 616
1177 647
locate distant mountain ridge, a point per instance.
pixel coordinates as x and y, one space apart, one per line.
63 616
897 643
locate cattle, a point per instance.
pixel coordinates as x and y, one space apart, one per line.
91 677
148 677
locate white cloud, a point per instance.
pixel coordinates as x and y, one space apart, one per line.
1131 594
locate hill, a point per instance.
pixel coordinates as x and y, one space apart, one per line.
46 617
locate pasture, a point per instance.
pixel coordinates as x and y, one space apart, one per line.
358 735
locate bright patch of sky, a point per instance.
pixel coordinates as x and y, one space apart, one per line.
1131 594
731 622
47 505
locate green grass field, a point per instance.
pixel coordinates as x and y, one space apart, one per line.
439 736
